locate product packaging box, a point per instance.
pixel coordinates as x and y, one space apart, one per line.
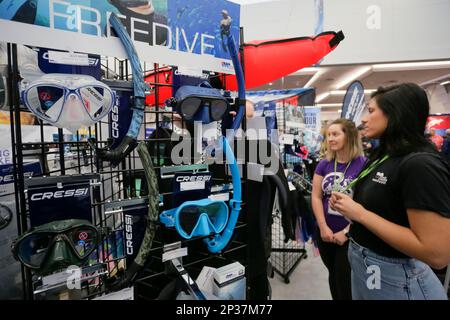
230 282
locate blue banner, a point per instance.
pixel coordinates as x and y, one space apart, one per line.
354 102
172 32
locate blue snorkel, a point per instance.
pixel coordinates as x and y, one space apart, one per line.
219 241
129 142
240 80
206 217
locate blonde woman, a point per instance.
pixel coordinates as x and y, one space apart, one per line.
344 161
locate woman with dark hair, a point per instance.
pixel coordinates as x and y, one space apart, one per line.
401 205
342 164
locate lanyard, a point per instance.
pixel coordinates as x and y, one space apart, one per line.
365 172
343 177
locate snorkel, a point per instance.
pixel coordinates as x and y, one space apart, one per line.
152 222
129 142
241 83
219 241
209 218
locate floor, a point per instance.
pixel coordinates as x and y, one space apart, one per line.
308 281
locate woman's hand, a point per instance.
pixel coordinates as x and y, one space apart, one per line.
326 234
340 238
346 206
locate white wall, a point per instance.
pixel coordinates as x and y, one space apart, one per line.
375 30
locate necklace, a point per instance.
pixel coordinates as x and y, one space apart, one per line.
335 187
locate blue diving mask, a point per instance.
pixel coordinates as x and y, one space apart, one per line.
208 217
196 103
68 101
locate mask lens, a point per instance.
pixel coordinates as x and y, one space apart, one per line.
189 107
84 241
218 108
189 216
46 101
32 249
97 101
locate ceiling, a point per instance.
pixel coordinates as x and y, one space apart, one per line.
332 81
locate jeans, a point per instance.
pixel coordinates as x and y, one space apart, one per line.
375 277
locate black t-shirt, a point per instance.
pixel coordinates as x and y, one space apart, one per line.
417 181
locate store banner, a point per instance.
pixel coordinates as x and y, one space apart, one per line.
312 118
289 104
172 32
354 102
439 122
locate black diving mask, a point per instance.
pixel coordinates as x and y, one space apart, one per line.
56 245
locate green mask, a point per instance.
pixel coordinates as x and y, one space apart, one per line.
57 245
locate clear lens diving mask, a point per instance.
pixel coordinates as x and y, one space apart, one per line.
197 103
67 100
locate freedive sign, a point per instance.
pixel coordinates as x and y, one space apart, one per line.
172 32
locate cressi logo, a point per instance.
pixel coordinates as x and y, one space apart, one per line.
193 178
59 194
9 178
129 234
115 120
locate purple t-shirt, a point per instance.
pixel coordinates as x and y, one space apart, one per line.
335 221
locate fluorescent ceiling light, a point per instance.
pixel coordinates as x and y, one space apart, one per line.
411 66
306 71
338 92
329 105
444 83
322 96
342 92
359 73
313 79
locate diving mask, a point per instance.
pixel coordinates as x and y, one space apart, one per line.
56 245
197 218
208 217
196 103
67 100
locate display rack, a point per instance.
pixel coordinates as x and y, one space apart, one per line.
285 256
114 184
